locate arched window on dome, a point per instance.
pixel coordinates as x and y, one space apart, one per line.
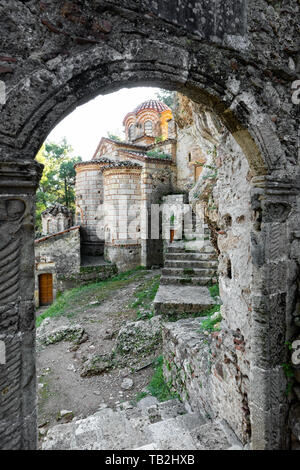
148 128
131 132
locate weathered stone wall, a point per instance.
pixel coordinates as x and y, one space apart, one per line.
209 372
223 387
125 257
232 197
62 248
59 255
86 275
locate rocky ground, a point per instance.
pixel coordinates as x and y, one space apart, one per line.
98 349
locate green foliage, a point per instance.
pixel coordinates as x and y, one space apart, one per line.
145 295
140 396
112 136
158 387
210 323
158 154
74 300
58 179
167 97
214 291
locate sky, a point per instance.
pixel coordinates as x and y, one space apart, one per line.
84 127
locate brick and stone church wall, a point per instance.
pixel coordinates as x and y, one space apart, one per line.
89 196
122 224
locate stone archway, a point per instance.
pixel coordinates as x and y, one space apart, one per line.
58 55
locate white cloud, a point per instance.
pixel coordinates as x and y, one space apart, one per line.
85 126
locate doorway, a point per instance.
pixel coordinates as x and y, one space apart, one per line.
45 289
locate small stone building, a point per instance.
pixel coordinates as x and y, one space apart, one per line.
58 261
56 219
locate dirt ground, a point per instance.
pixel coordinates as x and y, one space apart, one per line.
60 386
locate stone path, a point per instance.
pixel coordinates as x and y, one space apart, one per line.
149 426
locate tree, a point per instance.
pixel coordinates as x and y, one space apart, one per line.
58 179
112 136
167 97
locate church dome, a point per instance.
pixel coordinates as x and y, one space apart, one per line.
157 105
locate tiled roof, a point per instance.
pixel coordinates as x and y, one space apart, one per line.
121 164
57 209
95 161
157 105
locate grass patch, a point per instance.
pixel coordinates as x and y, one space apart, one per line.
158 387
74 300
146 294
140 396
214 291
210 324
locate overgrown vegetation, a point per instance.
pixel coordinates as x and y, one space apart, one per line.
57 182
214 291
145 296
158 154
167 97
157 386
211 323
74 300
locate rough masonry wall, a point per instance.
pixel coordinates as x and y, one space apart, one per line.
213 371
62 249
58 255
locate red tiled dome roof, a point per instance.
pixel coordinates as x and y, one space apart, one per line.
157 105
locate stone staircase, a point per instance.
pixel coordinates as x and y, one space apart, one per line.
189 267
148 426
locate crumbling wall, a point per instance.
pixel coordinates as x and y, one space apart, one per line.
221 388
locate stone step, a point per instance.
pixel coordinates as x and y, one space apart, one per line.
190 264
211 436
185 256
182 299
160 426
198 281
105 430
207 248
188 272
170 435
